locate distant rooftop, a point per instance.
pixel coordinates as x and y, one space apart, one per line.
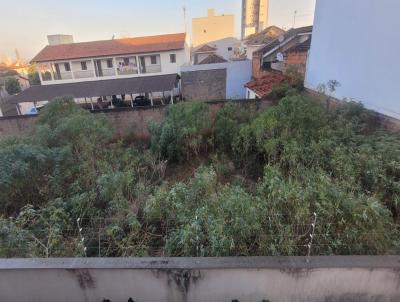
264 36
285 36
111 47
213 59
264 86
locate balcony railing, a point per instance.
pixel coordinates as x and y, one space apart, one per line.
81 74
63 76
127 71
152 68
107 72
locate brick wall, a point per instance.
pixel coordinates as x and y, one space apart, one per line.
126 122
204 84
134 122
257 71
298 59
15 126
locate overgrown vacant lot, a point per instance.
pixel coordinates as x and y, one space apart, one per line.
247 183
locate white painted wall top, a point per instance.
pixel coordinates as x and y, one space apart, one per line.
357 42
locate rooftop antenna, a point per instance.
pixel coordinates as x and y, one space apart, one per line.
18 57
184 17
294 18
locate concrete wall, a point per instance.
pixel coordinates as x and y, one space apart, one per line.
125 121
204 84
238 73
354 43
281 279
212 28
16 125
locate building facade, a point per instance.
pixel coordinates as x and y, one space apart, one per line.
254 16
354 42
112 59
227 48
271 62
212 28
110 73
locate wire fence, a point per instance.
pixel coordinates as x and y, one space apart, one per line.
102 237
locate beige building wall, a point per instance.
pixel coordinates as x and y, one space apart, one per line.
212 28
254 16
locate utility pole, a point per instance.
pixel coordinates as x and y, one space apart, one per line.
294 18
184 18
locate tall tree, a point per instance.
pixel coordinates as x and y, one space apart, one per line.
12 86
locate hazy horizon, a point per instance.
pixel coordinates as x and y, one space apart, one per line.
27 27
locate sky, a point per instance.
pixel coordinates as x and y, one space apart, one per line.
24 24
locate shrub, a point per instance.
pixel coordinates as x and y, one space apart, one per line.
227 125
205 219
295 77
12 86
182 133
283 90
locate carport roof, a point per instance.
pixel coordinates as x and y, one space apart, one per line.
98 88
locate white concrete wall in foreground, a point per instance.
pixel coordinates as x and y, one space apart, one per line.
357 43
243 279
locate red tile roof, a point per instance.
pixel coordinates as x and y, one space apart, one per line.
263 87
111 47
213 59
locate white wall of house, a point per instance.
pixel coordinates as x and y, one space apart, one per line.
250 94
225 48
163 59
79 73
356 43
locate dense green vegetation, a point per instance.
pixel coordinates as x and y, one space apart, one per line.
12 86
70 189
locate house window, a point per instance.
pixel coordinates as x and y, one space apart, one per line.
172 58
67 67
229 48
153 60
83 66
126 61
110 63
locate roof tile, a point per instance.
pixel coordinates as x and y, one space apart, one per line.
111 47
213 59
264 86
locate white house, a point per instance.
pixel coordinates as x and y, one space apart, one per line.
228 49
357 44
103 69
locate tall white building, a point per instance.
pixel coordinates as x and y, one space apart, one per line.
254 16
354 42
